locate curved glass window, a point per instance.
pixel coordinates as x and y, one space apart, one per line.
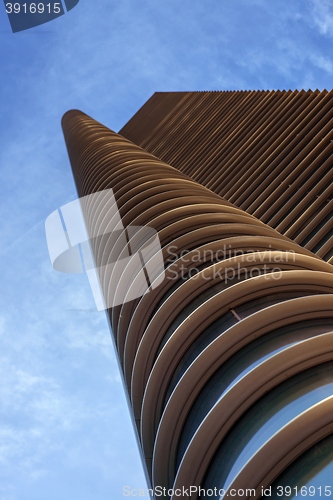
309 476
266 417
185 276
240 364
211 333
218 326
194 304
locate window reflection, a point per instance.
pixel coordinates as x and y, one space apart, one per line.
310 475
240 364
264 419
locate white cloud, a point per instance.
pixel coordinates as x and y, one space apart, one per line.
322 62
322 11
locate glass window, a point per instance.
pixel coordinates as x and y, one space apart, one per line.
309 476
265 418
240 364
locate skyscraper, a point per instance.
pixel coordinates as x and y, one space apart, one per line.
228 363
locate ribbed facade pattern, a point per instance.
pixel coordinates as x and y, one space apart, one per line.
243 314
269 153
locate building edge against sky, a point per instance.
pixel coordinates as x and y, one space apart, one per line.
228 363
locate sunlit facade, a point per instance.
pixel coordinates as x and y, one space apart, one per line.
228 363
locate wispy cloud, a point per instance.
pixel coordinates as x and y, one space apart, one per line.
322 11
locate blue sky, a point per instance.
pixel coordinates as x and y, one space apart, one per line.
65 433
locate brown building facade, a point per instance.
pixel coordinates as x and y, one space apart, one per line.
228 363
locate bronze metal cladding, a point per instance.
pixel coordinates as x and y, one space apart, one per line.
237 292
270 153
